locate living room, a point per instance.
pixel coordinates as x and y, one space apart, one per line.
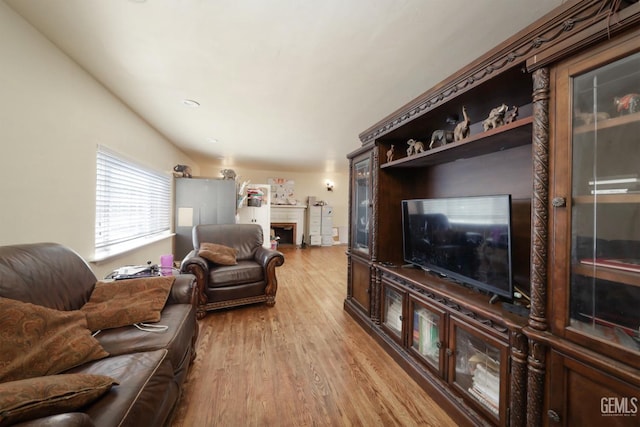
564 364
60 115
56 114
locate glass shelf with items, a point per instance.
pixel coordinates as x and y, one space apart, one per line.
393 311
426 339
361 205
479 369
605 212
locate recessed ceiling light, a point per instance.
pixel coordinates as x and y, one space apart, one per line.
212 140
190 103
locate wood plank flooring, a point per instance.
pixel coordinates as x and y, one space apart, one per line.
304 362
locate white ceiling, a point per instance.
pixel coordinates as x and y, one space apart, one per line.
282 84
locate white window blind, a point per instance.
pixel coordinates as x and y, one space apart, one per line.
133 204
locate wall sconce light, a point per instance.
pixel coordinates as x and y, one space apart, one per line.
329 185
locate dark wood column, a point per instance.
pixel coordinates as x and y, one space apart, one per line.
539 245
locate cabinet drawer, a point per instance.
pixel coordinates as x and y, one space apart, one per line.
315 221
315 240
327 240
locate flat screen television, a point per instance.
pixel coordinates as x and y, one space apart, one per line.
465 238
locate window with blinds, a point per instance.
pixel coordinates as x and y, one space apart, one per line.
133 204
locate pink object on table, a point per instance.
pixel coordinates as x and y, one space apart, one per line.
166 265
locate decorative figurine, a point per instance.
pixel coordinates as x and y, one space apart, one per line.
415 147
441 136
390 154
496 118
511 115
461 130
228 174
627 104
182 171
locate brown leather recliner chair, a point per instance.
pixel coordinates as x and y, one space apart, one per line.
251 280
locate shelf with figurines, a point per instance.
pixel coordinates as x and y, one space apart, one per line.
587 124
504 128
623 110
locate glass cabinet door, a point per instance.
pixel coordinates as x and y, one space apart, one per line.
361 209
604 294
392 311
479 369
425 338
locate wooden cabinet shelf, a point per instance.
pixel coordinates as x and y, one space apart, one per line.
611 123
610 274
508 136
607 199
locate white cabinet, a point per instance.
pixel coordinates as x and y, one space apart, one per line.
255 210
326 226
320 225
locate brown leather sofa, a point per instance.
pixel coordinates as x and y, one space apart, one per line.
251 280
150 367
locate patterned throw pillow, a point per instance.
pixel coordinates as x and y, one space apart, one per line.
125 302
219 254
37 341
33 398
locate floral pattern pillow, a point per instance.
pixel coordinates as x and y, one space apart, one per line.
37 397
126 302
37 341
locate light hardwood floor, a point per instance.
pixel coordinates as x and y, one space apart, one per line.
303 362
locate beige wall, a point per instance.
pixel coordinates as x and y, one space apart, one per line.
52 116
306 184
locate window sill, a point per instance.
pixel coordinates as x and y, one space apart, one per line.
121 249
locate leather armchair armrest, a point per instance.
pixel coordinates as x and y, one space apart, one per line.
184 290
192 259
199 267
270 259
265 256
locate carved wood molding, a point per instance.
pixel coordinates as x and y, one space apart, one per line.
375 295
201 297
613 17
570 19
535 383
518 383
350 222
272 281
539 203
235 302
375 167
350 205
349 280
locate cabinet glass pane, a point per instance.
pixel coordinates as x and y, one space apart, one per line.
426 335
361 208
605 234
478 369
393 310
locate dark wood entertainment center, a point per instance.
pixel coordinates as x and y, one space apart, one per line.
568 351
